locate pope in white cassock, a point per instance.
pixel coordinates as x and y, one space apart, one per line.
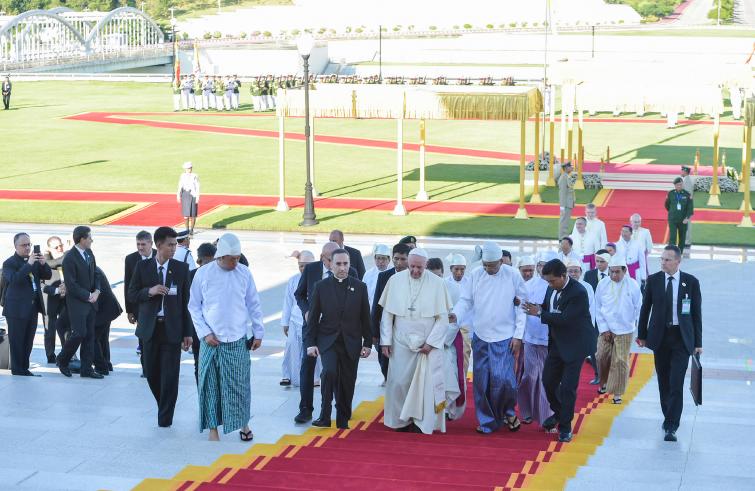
413 330
498 331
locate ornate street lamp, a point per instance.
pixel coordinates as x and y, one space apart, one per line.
304 45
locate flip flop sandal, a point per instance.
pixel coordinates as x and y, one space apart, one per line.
527 421
513 423
246 436
285 382
617 400
602 390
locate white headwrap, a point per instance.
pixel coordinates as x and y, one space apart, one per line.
455 259
187 165
616 261
489 252
526 261
418 251
546 256
228 245
381 250
605 256
571 263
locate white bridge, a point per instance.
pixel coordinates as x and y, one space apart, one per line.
46 39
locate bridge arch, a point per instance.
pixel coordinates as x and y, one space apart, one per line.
124 27
39 35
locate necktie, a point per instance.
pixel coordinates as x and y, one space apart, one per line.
602 275
669 301
328 274
162 282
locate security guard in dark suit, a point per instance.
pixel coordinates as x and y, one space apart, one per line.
680 208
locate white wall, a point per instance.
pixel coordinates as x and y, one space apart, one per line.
246 62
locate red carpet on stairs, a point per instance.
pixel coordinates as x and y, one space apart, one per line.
373 457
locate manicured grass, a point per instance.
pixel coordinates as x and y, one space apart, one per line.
373 222
719 32
57 212
729 201
705 234
198 8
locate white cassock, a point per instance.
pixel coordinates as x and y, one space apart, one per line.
455 375
642 235
585 246
564 258
291 316
634 254
597 228
415 312
591 299
370 279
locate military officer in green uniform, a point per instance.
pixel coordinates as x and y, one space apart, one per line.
680 208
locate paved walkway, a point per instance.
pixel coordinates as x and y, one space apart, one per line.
82 434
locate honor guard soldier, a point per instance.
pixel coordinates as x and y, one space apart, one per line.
197 94
186 86
207 96
175 86
236 92
229 86
680 208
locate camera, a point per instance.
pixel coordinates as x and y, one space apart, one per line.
36 249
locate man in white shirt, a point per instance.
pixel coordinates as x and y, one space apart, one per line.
566 251
574 270
292 322
642 235
633 253
595 226
584 244
498 330
457 264
382 257
618 303
224 304
183 253
531 399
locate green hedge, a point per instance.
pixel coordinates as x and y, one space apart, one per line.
650 8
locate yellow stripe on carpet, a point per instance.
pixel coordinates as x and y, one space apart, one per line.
561 462
259 454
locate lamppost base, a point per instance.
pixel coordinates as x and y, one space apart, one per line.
535 198
309 222
550 182
422 196
714 200
282 206
399 210
579 184
521 214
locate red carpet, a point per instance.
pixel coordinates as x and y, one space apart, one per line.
374 457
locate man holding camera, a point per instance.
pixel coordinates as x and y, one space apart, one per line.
23 303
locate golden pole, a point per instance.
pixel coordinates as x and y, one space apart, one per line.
746 220
535 198
569 138
551 181
745 165
697 160
580 183
714 200
354 104
422 193
608 155
602 166
521 213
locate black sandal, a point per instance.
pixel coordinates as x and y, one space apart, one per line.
513 423
527 421
285 382
480 430
602 390
617 400
246 436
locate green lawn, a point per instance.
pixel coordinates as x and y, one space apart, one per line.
57 212
729 201
705 234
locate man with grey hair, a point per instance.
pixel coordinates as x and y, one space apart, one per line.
354 255
225 307
641 235
413 329
491 297
594 226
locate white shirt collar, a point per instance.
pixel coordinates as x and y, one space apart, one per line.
83 252
675 276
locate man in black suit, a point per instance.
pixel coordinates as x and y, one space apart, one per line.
339 332
54 291
566 310
108 309
312 273
671 325
7 88
160 288
22 273
144 251
400 257
357 262
593 277
82 292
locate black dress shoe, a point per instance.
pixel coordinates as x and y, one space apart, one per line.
32 374
670 436
104 373
65 371
549 423
321 423
51 360
303 417
342 426
91 375
564 436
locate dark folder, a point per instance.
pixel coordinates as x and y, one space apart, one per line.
696 380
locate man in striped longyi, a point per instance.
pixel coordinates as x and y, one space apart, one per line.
224 301
617 304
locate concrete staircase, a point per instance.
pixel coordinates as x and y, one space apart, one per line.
645 182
